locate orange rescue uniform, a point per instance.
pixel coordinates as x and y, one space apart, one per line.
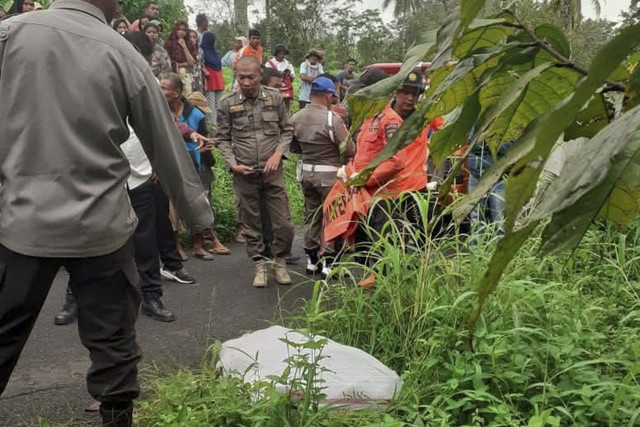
405 171
248 50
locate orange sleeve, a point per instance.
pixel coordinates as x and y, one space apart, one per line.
239 55
437 123
388 169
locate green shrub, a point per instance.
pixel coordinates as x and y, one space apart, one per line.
557 344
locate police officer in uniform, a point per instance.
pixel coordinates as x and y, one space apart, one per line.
317 135
254 134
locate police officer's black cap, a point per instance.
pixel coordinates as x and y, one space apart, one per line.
280 48
413 80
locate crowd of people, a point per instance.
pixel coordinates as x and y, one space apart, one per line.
106 193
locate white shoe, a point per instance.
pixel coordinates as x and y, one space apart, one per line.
326 271
311 267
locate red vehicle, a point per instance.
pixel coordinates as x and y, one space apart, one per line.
392 68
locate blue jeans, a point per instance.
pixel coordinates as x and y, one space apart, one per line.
490 209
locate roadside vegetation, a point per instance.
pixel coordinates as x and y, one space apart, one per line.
539 326
558 344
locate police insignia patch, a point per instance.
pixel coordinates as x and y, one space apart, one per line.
268 102
235 108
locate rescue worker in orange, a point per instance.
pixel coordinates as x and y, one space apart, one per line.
403 173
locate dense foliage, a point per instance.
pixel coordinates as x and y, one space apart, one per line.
557 345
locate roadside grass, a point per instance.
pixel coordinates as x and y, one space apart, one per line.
557 344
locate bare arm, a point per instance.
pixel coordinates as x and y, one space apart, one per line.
162 142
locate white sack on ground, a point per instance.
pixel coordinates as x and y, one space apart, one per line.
351 378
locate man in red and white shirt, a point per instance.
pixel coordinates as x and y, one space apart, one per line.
279 62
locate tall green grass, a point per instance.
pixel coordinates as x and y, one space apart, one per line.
557 344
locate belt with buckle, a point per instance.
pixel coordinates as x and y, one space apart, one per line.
319 168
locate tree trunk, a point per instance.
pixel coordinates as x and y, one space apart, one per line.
267 26
242 17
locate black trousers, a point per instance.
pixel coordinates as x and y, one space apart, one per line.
108 305
145 238
166 239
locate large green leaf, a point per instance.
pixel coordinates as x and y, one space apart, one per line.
483 33
523 179
623 204
543 92
555 38
459 83
371 100
587 179
463 208
590 120
452 137
633 88
524 176
455 25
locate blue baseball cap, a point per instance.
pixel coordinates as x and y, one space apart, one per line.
323 84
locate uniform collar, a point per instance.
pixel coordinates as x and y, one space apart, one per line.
262 94
81 6
317 106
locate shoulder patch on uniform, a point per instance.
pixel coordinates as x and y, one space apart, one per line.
227 96
390 129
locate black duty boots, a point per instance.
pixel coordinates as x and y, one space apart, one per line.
69 312
153 306
117 414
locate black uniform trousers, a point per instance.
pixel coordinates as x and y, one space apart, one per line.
146 237
108 305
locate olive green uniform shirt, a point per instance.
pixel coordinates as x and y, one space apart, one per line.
312 136
252 130
68 86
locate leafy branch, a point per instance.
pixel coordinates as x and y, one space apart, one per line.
557 55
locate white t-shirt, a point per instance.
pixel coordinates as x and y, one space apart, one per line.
141 169
281 66
305 87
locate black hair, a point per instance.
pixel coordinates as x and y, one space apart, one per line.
175 79
267 73
372 75
140 41
151 25
369 77
149 3
351 60
16 7
117 22
254 32
201 18
329 76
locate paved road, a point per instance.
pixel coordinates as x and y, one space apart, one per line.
49 378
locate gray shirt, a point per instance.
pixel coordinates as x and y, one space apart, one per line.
68 84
